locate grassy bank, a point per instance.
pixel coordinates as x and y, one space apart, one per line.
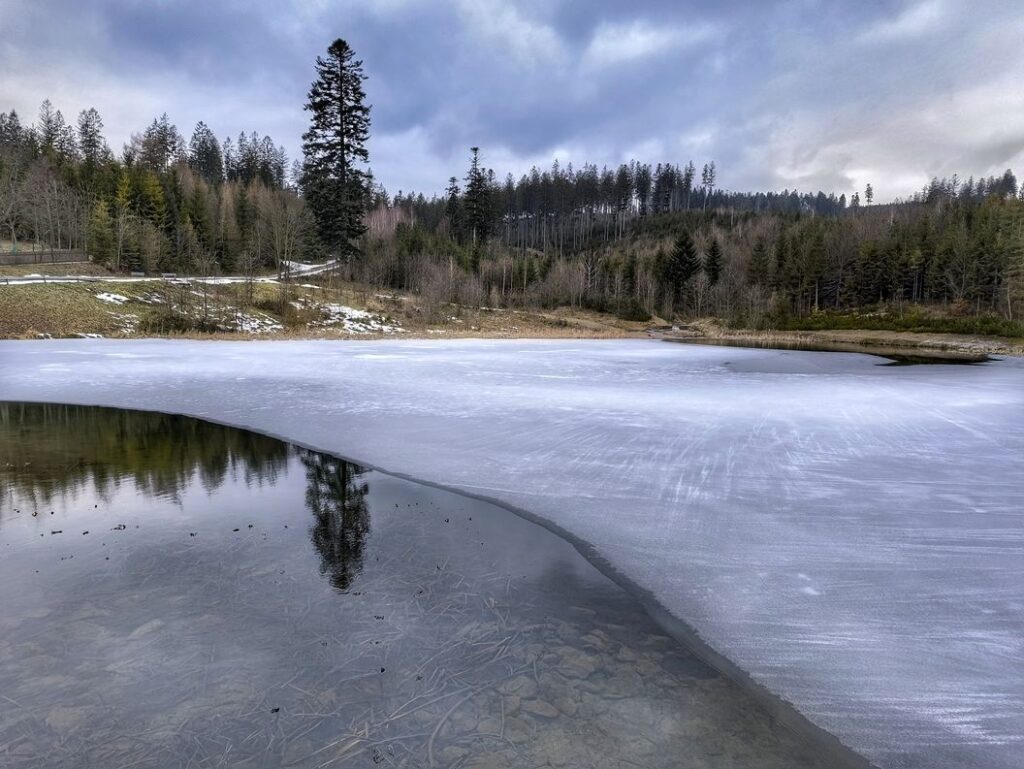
318 309
710 330
325 308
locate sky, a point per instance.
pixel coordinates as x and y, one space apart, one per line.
796 94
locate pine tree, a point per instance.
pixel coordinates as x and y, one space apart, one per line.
689 173
101 234
11 132
453 210
707 181
204 154
713 262
66 147
682 264
336 187
159 146
48 129
90 138
478 205
642 181
757 267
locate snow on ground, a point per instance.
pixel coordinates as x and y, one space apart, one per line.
308 268
357 321
104 296
349 319
127 322
250 323
850 535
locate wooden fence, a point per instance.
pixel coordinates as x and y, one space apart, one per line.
43 257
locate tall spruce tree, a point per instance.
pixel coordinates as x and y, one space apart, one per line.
682 264
453 210
478 191
204 154
90 138
713 262
48 128
707 182
757 267
334 181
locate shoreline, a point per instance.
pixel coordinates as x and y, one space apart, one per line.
851 340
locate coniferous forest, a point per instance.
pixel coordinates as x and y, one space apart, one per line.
642 239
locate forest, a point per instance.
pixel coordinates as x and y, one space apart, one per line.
639 240
163 204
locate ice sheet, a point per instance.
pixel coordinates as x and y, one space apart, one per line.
850 535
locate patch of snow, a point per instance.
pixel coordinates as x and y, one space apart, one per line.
349 319
308 268
112 298
250 323
355 321
127 322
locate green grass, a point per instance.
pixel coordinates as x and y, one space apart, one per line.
915 319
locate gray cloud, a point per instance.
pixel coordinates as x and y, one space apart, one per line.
800 93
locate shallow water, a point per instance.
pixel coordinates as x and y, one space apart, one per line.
180 594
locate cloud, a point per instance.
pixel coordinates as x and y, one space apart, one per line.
503 24
920 18
780 94
615 43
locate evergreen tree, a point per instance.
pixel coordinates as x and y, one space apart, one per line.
689 173
478 206
66 147
11 132
336 187
642 180
230 160
90 138
101 234
713 262
682 264
204 154
49 126
757 267
707 181
159 146
453 210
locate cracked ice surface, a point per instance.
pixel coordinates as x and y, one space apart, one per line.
850 535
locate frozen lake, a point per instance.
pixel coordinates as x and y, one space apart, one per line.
182 594
847 535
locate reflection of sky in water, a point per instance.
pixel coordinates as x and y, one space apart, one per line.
237 601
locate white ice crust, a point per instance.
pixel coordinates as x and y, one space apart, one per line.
851 535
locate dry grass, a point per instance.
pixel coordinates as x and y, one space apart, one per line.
73 309
966 343
55 309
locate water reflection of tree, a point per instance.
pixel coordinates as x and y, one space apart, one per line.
337 498
53 450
